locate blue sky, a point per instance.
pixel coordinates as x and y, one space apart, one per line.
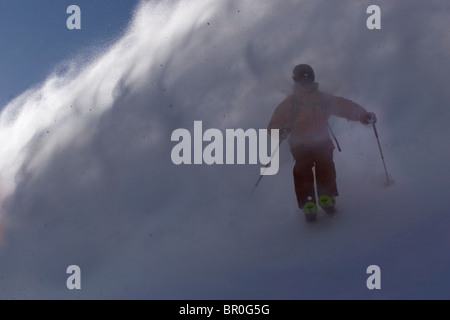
34 37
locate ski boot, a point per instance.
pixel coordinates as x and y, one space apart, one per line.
310 211
327 204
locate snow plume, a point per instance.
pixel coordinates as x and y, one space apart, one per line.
86 176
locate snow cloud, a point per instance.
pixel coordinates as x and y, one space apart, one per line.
86 176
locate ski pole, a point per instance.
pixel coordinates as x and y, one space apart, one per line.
334 137
388 181
266 166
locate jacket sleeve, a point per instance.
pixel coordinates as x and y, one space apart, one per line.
282 115
345 108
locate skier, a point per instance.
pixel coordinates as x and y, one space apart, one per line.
303 116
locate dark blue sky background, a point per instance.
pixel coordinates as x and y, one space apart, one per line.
34 37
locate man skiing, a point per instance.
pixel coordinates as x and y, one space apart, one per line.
303 116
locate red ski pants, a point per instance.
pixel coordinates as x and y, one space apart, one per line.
319 157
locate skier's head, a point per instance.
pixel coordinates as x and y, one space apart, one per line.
303 74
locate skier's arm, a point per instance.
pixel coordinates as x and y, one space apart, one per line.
281 116
347 109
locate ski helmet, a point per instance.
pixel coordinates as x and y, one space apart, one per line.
303 73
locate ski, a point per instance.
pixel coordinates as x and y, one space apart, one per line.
327 204
310 211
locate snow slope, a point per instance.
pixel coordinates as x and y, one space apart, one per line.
86 176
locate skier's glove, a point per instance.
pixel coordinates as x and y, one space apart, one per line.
284 133
371 118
